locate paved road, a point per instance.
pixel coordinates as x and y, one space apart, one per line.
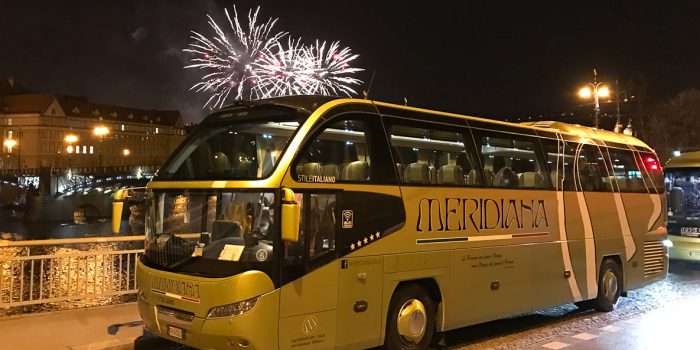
568 327
647 319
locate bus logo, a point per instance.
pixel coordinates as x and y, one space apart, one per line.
309 325
347 218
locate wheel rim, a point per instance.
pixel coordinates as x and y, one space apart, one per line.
610 285
412 321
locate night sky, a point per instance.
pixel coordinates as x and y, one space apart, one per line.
497 60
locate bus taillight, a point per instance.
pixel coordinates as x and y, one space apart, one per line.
652 164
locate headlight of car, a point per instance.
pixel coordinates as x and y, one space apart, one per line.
235 309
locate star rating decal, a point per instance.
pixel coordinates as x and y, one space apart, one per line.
366 240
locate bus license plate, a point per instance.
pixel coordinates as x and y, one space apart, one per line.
175 332
690 231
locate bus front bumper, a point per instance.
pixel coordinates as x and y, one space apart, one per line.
684 248
256 329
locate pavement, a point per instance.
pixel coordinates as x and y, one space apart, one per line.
660 316
113 327
673 327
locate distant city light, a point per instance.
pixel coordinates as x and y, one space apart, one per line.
71 138
676 153
126 152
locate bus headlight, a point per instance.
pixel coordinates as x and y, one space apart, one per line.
668 243
235 309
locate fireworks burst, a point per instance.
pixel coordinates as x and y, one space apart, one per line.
254 63
229 63
330 69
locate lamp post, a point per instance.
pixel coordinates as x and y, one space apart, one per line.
597 90
101 131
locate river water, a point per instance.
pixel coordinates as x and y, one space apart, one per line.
12 226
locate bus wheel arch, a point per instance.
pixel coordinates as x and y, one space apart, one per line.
610 283
412 314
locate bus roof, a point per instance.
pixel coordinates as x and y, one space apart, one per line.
311 103
685 160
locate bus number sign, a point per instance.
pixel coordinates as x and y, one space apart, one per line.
690 231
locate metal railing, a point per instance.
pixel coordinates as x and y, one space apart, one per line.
62 270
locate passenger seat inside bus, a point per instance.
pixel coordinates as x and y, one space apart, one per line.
356 171
417 173
331 170
530 179
309 169
451 174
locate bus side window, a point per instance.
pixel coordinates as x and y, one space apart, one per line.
344 151
590 167
512 162
626 172
430 154
560 166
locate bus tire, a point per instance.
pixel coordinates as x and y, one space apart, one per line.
609 286
411 319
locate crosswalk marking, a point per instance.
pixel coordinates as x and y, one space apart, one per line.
555 345
610 328
585 336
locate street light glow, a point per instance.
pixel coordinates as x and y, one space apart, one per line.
603 91
126 152
71 138
9 143
585 92
101 130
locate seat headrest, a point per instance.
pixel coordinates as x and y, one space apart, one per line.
356 171
417 173
450 174
311 169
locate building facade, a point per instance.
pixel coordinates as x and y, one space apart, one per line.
49 130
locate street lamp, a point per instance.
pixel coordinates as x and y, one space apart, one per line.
10 144
70 139
597 90
101 131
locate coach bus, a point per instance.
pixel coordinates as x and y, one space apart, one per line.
683 184
315 222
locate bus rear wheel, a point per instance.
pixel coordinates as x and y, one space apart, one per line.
609 286
411 319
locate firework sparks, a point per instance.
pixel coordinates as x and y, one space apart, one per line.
230 63
331 69
254 63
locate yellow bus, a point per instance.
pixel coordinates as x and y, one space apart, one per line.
315 223
683 185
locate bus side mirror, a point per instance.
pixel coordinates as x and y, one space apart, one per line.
118 208
291 215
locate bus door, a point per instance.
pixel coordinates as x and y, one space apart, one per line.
343 175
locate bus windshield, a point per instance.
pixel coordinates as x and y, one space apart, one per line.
210 232
242 144
684 201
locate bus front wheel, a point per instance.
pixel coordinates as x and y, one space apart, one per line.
411 319
609 286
